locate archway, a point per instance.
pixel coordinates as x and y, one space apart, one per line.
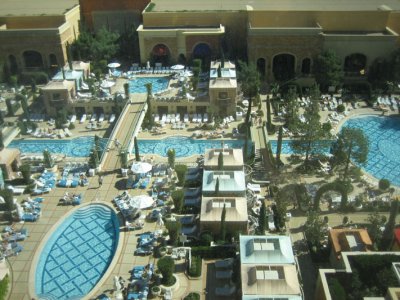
53 61
160 54
306 66
202 51
283 67
13 65
355 63
261 66
33 59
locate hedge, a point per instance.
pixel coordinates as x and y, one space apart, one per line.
214 252
192 296
4 287
26 78
195 269
180 173
338 186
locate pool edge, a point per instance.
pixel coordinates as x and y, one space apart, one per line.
36 257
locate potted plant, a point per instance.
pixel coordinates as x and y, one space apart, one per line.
162 251
155 290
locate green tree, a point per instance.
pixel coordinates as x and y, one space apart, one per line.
292 107
104 46
250 85
26 173
351 144
137 155
48 160
10 107
177 197
376 222
1 141
279 145
180 173
309 142
328 70
269 120
387 236
9 201
314 229
262 221
94 159
166 265
220 161
129 45
123 154
149 122
171 157
126 89
384 184
223 224
217 187
174 229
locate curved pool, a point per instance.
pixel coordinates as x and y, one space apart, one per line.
77 254
185 146
138 85
77 147
384 145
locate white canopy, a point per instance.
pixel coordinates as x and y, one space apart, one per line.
141 167
114 65
142 201
177 67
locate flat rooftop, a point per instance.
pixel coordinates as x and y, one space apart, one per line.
278 5
35 8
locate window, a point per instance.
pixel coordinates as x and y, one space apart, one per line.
56 97
223 95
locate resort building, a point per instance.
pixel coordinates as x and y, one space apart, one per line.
34 34
370 268
10 161
283 38
346 240
396 240
267 268
236 217
224 184
232 159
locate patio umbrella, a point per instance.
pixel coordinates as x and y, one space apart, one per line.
177 67
245 102
114 65
141 167
142 201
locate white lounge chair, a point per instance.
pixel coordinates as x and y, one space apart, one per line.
112 118
156 118
194 118
205 118
83 118
101 118
177 118
93 118
186 118
67 132
73 119
256 188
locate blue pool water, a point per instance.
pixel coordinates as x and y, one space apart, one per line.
184 146
78 147
384 145
137 85
77 254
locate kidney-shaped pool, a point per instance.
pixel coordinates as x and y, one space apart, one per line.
77 254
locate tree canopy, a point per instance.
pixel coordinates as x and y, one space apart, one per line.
328 70
351 144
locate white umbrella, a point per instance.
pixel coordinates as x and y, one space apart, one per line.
141 167
142 201
114 65
107 84
245 102
177 67
117 284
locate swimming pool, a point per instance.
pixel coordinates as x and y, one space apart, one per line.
137 85
77 254
78 147
384 145
185 146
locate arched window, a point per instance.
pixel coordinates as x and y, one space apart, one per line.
283 67
306 66
53 61
160 53
355 64
33 59
261 66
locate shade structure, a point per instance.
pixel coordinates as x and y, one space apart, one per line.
141 167
114 65
177 67
142 201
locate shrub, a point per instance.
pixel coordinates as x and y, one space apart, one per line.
26 78
343 187
195 268
206 239
192 296
4 287
213 252
177 197
180 173
71 126
340 108
174 229
166 265
384 184
26 173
